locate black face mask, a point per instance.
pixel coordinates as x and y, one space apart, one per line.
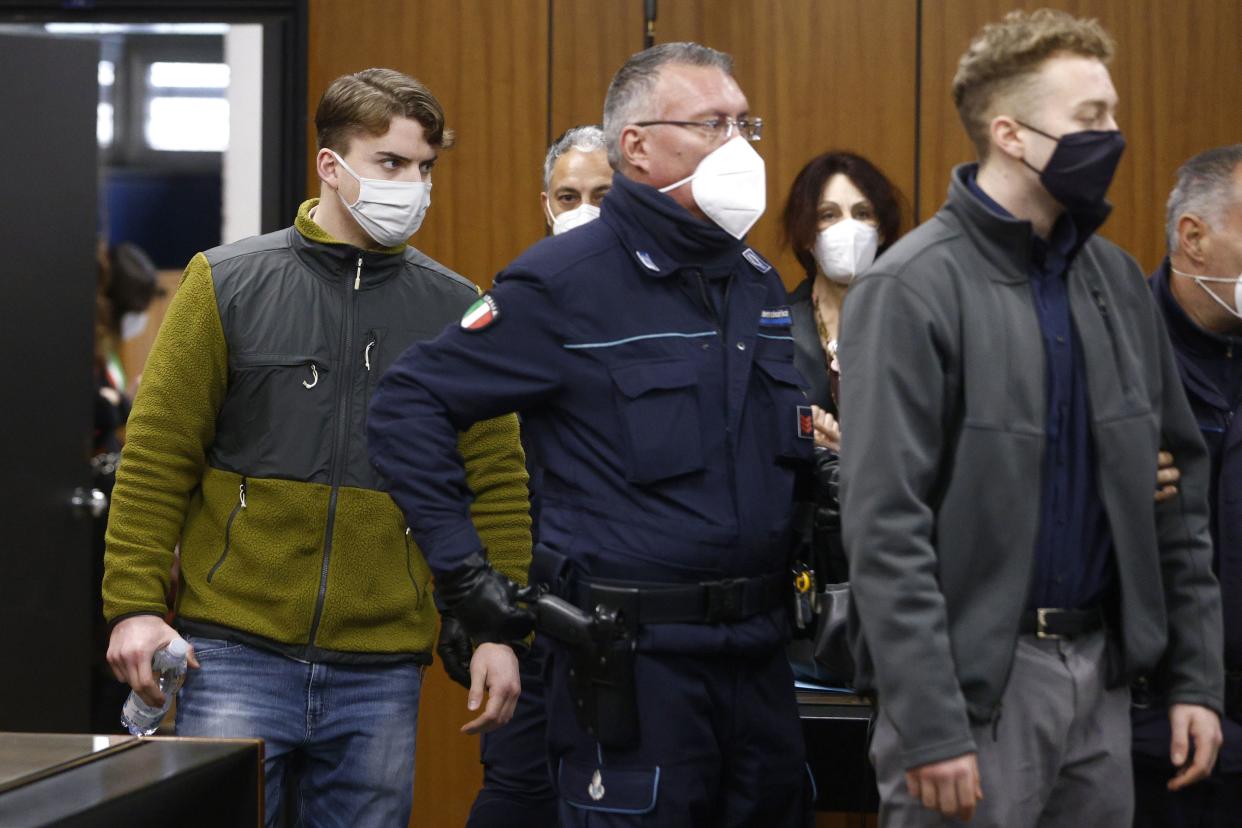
1081 167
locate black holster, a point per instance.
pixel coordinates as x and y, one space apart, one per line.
605 698
602 652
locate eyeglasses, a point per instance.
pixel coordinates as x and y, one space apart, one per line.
749 128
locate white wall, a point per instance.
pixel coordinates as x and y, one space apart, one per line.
243 52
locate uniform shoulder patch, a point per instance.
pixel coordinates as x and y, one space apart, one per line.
481 314
756 260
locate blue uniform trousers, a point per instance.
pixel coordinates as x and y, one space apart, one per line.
720 745
517 787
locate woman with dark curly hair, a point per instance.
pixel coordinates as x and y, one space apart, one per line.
841 213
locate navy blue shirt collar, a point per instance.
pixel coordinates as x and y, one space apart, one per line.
662 235
1048 256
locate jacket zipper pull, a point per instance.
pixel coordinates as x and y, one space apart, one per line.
242 493
366 355
358 276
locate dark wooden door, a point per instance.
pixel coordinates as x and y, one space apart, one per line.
48 226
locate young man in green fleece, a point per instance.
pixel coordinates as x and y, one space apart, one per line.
305 600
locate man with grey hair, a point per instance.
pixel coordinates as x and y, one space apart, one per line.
576 177
1198 289
650 356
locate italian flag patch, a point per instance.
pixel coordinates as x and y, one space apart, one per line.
481 314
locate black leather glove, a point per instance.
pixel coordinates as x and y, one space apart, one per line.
830 563
484 601
454 650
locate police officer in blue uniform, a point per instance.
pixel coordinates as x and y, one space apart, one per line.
650 355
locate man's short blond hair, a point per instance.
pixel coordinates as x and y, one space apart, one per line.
1004 58
367 101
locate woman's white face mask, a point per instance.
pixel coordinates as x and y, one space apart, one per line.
845 249
1236 309
387 211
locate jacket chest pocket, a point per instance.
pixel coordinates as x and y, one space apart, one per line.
277 415
658 408
785 409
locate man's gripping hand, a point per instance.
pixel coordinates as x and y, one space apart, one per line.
130 648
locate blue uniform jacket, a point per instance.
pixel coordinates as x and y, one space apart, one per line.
1204 361
651 357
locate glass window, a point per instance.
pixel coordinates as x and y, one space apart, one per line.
104 126
181 124
186 106
105 114
166 75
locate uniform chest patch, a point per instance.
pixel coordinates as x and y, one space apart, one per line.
775 318
756 260
481 314
806 423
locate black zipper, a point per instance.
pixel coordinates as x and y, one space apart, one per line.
340 440
409 569
228 529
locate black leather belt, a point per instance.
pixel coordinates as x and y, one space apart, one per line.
1047 622
707 602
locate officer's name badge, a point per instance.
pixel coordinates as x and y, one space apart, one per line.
481 314
775 318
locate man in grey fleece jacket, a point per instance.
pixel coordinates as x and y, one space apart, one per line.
1007 386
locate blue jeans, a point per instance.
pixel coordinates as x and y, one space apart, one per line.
341 736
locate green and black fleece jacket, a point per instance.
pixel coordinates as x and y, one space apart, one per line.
247 446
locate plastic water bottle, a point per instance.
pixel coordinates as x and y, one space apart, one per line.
169 666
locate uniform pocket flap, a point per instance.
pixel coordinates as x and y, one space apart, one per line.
781 372
610 790
637 379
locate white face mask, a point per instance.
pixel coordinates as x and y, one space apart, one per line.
133 324
387 211
1237 289
729 186
582 214
846 249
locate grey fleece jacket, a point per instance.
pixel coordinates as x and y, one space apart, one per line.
943 409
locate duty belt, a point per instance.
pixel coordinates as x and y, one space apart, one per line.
707 602
1047 622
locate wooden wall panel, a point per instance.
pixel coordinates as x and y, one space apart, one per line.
1177 72
590 42
486 61
823 75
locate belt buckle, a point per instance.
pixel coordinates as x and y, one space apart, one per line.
1041 624
724 600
